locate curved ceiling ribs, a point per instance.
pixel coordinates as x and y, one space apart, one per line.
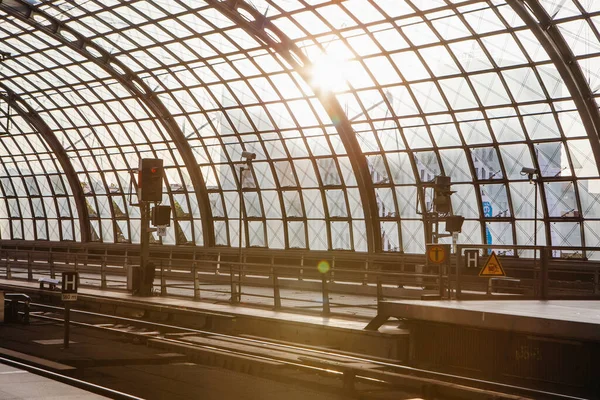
547 33
31 116
267 32
135 85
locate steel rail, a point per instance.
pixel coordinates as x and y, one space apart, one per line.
446 378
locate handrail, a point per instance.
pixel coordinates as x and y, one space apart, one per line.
195 267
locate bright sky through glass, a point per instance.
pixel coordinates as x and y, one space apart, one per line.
385 96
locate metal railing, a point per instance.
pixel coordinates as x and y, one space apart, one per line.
317 281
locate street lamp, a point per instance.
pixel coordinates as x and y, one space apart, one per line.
247 158
533 176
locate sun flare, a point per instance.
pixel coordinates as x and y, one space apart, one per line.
330 73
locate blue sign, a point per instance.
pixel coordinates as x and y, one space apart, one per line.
488 237
487 209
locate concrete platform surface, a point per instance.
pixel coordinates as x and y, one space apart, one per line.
18 384
347 322
573 319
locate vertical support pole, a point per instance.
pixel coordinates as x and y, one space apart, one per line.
441 278
144 247
29 267
458 267
163 279
232 288
454 242
126 266
536 285
51 262
8 267
544 273
325 292
332 274
218 270
103 272
379 291
241 233
276 294
596 281
196 282
366 275
301 277
67 324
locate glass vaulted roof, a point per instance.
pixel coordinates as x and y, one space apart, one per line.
350 106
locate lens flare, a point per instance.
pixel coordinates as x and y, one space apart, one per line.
323 267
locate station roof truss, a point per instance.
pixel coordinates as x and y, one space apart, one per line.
351 107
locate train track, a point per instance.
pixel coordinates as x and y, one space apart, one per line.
351 368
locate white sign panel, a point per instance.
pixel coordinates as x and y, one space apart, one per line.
69 297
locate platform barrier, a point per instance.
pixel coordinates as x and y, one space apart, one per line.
311 281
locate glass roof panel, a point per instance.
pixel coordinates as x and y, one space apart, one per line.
461 88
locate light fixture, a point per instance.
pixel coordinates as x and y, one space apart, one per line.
248 156
530 172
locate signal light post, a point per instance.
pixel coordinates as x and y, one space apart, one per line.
442 207
150 180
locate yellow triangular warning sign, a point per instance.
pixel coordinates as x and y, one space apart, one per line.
492 267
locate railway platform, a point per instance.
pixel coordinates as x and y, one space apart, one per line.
17 383
340 331
573 319
555 343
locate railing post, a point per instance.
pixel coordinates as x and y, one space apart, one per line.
276 294
8 267
379 291
458 267
366 276
196 282
441 279
325 292
29 267
51 262
103 272
544 274
301 276
233 289
163 280
596 275
332 274
218 271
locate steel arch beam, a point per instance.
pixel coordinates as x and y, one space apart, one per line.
33 118
120 72
563 58
268 33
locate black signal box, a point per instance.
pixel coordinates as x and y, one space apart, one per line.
150 179
161 215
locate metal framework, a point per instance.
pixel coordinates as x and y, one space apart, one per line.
69 37
351 107
29 115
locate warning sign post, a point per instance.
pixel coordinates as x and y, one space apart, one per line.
437 253
492 267
438 257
